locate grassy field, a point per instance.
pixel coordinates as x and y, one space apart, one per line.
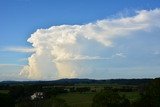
4 91
132 96
85 99
78 99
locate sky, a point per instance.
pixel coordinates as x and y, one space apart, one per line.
97 39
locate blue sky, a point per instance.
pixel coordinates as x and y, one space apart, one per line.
21 18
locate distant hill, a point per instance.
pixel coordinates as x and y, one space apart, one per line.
81 81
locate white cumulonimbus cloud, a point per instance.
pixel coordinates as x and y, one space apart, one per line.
59 50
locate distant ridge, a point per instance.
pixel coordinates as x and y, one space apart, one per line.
73 81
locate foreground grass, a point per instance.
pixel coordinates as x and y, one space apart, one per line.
78 99
132 96
85 99
4 91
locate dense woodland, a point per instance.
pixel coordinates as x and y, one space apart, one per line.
96 93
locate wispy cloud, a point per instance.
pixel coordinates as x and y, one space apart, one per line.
23 59
81 57
19 49
120 55
7 65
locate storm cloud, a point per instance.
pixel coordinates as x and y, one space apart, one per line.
61 51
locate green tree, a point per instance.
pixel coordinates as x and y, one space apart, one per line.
109 98
151 95
6 100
